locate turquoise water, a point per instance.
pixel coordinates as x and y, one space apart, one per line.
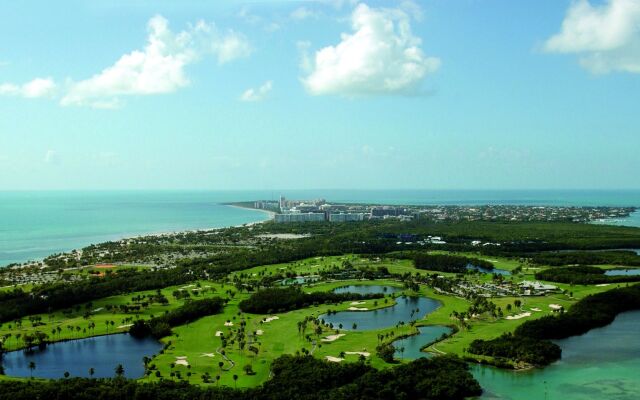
102 353
623 272
36 224
601 364
413 344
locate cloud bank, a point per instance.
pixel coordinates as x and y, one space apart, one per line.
380 56
257 94
159 67
37 88
606 37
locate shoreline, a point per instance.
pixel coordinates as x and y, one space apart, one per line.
125 236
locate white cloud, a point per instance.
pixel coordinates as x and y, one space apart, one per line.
381 56
257 94
302 13
606 37
37 88
51 157
158 68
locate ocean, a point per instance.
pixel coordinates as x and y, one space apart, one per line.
36 224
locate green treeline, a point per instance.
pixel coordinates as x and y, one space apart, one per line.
294 377
621 257
593 311
530 341
518 348
161 326
582 275
50 297
272 300
447 263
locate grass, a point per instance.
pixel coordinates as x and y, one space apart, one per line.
198 340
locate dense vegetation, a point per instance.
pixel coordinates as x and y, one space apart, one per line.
50 297
303 378
593 311
267 301
582 275
519 348
448 263
530 341
190 311
555 259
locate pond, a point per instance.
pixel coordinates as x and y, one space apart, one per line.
299 280
498 271
413 344
623 272
367 289
601 364
102 353
406 309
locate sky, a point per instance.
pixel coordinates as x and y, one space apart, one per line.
232 95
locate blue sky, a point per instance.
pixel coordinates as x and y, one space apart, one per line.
435 94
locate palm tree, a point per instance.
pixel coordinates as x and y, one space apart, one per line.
32 366
119 370
91 372
235 381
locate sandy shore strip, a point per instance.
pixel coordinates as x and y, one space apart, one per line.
358 309
519 316
332 338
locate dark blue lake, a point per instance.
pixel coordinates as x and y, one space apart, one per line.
413 344
498 271
102 353
406 309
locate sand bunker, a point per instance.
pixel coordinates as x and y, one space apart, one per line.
98 309
228 323
535 309
259 332
603 284
333 359
358 309
125 326
332 338
182 362
219 333
555 306
360 353
523 315
270 319
357 303
211 355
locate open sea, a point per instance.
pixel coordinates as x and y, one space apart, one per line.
36 224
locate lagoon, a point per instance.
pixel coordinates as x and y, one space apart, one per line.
103 353
413 344
601 364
